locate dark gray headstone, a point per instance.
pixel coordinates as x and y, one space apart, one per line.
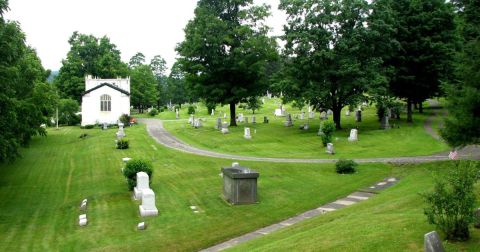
384 123
265 119
358 116
432 242
240 185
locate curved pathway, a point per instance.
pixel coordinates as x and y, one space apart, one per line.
161 135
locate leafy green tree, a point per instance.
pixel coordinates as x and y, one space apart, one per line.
159 67
254 103
177 86
425 39
23 103
136 60
328 51
67 112
463 94
226 50
88 55
143 87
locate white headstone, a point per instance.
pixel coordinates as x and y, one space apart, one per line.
347 113
353 135
240 117
311 115
142 184
302 116
126 159
190 120
330 149
197 123
141 226
246 134
306 126
224 115
235 164
177 114
224 128
148 208
82 220
432 242
213 112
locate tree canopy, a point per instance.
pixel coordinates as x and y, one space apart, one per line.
88 55
226 50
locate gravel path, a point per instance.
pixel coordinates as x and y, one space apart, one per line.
161 135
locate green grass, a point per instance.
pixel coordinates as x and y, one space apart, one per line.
276 140
41 193
391 221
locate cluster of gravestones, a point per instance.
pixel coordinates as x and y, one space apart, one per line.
195 122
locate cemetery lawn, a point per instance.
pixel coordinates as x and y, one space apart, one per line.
41 192
390 221
276 140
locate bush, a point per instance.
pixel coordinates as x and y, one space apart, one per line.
125 119
328 127
451 205
133 166
344 166
88 126
153 112
191 109
122 144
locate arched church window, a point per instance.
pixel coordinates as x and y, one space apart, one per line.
105 103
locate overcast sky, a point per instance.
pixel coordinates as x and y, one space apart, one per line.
152 27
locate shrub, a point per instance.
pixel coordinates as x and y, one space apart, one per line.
122 144
133 166
88 126
191 109
451 205
344 166
153 112
125 119
328 127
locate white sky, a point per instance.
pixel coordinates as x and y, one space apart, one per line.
152 27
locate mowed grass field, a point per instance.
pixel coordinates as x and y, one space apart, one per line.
41 192
276 140
390 221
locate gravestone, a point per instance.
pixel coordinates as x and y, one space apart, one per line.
148 208
347 113
353 135
329 112
105 126
358 116
278 112
306 126
235 164
330 149
311 115
384 123
246 119
126 159
323 116
224 115
246 133
254 120
288 122
213 112
432 242
224 128
240 118
83 205
302 116
142 184
240 185
265 119
82 220
263 100
141 226
197 123
218 125
190 120
177 114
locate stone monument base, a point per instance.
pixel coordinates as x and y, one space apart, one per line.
147 212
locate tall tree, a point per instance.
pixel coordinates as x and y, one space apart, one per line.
143 87
136 60
25 100
226 50
425 33
88 55
328 53
159 67
463 94
177 86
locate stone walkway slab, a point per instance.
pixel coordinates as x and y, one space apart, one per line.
340 203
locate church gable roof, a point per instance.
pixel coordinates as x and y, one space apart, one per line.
108 85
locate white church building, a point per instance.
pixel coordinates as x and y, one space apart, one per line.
105 100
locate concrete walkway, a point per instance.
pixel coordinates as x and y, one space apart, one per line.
161 135
351 199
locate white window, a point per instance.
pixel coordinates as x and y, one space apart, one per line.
105 103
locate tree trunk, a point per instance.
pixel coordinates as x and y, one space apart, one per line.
409 111
233 121
337 112
420 107
415 106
